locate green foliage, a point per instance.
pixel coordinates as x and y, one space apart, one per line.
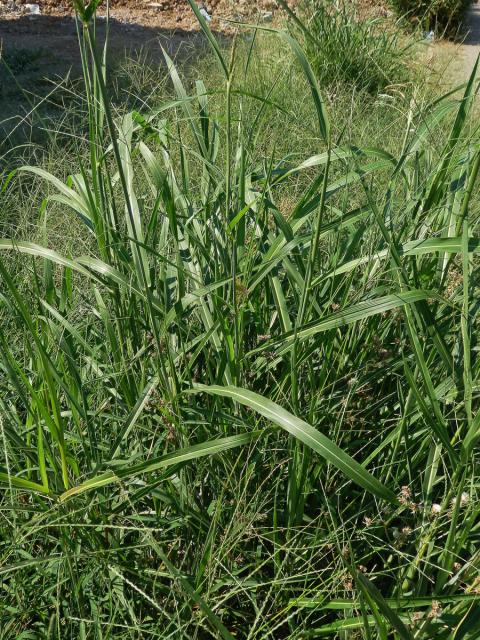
365 53
242 401
442 16
86 9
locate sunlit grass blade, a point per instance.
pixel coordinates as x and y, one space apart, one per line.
304 433
194 452
323 122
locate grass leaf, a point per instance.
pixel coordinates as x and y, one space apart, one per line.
306 434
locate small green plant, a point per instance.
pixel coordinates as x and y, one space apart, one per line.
441 16
342 47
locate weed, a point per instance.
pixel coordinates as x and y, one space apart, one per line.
365 53
222 421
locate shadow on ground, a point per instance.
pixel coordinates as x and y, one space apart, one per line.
39 52
472 26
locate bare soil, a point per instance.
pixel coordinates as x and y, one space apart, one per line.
162 14
469 50
42 48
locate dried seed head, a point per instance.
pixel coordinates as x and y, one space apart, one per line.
453 282
464 500
348 582
171 431
436 610
436 509
264 337
241 290
404 497
474 587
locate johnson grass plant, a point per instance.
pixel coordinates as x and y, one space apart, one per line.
242 400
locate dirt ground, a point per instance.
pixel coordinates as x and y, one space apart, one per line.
39 45
38 40
134 22
161 14
465 54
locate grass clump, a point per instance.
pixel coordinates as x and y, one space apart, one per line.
244 404
19 60
367 53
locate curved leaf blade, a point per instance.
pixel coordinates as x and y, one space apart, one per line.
305 433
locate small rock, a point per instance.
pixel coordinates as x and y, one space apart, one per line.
33 9
205 14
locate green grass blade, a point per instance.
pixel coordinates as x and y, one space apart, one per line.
212 447
322 116
211 39
372 593
305 433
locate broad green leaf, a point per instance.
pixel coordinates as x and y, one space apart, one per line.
21 483
345 625
134 416
305 433
32 249
347 316
371 592
211 39
415 602
322 116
